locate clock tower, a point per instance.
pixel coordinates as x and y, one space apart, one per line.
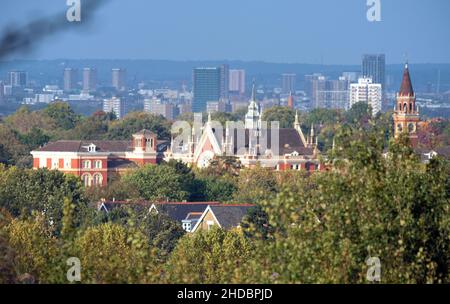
406 114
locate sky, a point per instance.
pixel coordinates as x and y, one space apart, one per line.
282 31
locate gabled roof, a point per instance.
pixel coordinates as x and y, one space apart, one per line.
227 216
145 132
406 88
230 216
289 140
179 211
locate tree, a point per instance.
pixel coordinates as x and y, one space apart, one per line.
285 116
392 208
135 122
111 254
209 257
255 185
159 183
24 191
63 115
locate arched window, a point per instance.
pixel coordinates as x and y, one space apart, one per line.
411 128
98 179
410 107
98 164
399 128
405 107
86 164
87 180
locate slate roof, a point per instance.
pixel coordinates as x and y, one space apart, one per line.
80 146
230 216
289 141
121 163
179 211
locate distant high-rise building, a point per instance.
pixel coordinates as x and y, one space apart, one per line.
237 81
119 79
89 79
2 92
368 92
18 78
374 66
116 106
328 93
156 107
70 79
224 81
288 83
207 84
216 106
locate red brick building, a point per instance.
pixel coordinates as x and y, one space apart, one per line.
97 162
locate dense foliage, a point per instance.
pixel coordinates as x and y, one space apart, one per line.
306 228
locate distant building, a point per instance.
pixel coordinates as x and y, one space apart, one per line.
368 92
98 162
119 79
156 107
116 106
207 87
327 93
216 106
406 114
70 79
374 66
237 82
89 79
44 98
288 83
224 81
18 78
289 148
2 92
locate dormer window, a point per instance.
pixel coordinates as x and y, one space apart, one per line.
92 148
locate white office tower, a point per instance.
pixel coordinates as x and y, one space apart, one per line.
368 92
237 81
116 106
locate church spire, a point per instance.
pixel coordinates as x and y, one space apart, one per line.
406 88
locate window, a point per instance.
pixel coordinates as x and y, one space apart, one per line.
67 164
137 143
55 163
210 224
149 143
86 178
87 164
92 148
98 179
98 164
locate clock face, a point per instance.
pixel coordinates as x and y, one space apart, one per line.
205 159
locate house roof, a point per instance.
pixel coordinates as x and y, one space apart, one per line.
145 133
81 146
289 141
230 216
179 211
121 163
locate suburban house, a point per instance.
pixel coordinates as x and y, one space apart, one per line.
223 216
99 161
186 213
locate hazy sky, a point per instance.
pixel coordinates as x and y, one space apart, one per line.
301 31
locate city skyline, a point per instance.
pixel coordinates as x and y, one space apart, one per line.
240 35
